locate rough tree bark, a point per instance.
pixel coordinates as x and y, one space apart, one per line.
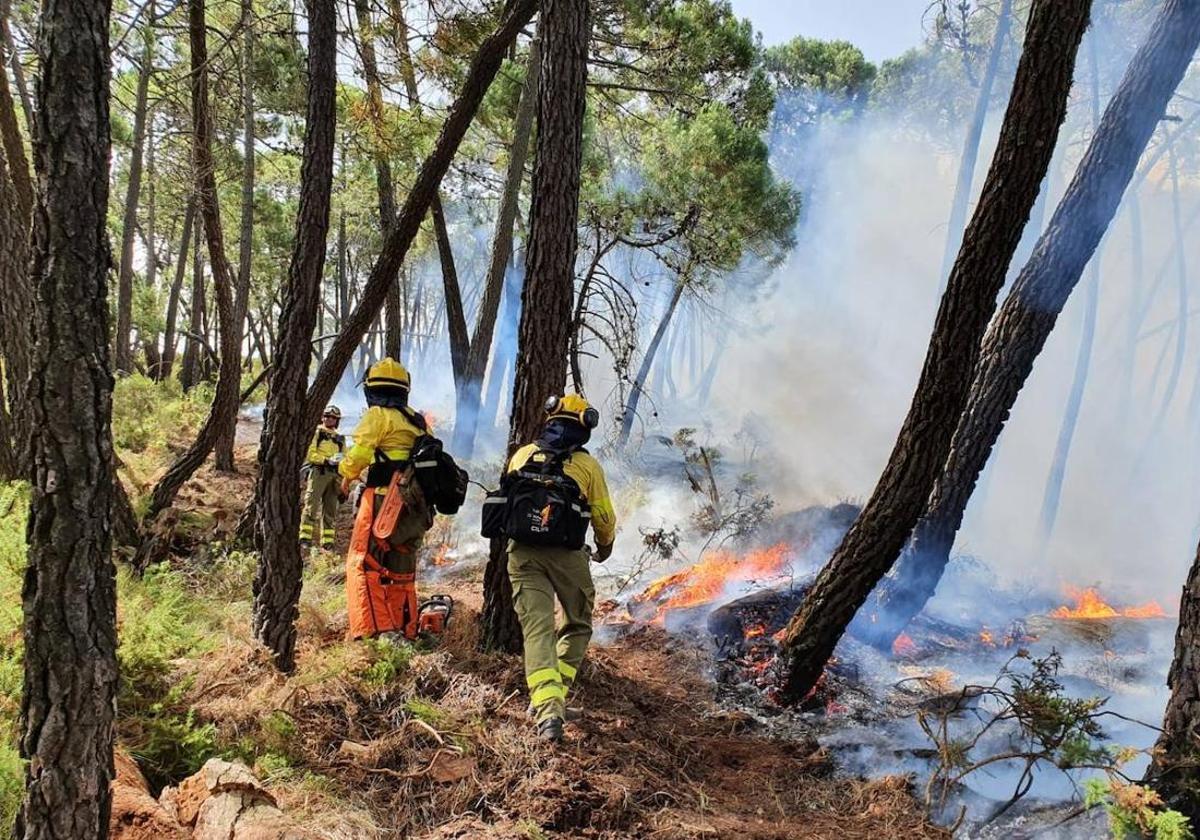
970 154
277 581
1019 331
225 401
16 304
1175 769
483 69
466 416
123 355
10 130
169 334
69 593
545 329
241 295
1035 112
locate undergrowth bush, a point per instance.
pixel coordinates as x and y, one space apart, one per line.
148 413
1136 811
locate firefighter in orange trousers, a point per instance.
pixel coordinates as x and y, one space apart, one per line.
555 487
381 573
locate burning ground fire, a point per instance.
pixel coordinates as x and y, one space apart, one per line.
1090 604
706 581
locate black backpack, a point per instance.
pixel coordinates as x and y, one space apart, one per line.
443 482
538 505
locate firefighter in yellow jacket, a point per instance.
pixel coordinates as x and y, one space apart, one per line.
381 573
321 467
541 573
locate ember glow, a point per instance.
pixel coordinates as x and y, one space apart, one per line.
1089 604
441 556
904 645
707 580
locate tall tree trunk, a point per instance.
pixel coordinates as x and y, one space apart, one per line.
10 130
1175 769
466 419
169 336
1083 360
123 357
225 401
69 594
277 581
16 304
450 286
1035 111
629 414
483 69
394 309
970 154
241 296
194 349
545 329
1019 331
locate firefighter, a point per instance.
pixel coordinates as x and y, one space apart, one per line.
381 573
321 466
542 573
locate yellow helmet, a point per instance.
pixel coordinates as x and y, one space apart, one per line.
573 407
388 373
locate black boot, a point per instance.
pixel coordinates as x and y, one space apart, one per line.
551 729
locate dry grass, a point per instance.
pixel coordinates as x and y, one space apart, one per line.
442 747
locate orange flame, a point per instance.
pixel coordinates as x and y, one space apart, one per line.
1090 604
986 637
904 645
706 581
756 630
441 557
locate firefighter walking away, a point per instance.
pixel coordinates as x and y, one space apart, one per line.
397 506
317 521
553 488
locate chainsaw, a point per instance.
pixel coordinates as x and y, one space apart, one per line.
434 614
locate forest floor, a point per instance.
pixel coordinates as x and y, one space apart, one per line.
368 740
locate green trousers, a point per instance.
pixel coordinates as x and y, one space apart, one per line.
320 507
552 654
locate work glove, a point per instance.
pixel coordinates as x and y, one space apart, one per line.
344 489
602 553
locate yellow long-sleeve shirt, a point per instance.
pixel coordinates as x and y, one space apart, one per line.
383 429
325 444
589 475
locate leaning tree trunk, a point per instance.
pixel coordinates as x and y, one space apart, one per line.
69 594
383 167
484 66
970 155
1083 360
505 342
123 357
241 297
466 415
169 335
629 414
10 131
545 330
1035 112
277 581
1029 312
1175 769
225 402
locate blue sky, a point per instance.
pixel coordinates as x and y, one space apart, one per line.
881 28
